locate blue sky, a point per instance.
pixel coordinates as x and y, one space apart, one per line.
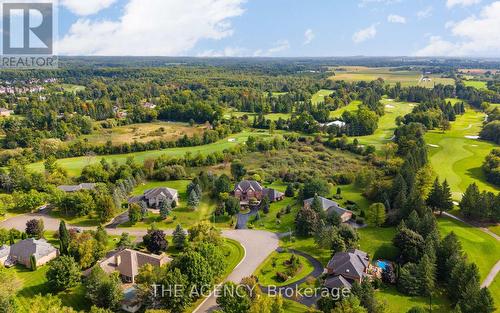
280 27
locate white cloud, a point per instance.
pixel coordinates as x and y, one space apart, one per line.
227 52
464 3
425 13
86 7
478 36
365 34
394 18
308 36
280 45
161 27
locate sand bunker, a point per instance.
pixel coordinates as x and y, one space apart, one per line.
389 106
472 137
431 145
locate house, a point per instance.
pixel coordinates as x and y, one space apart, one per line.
74 188
5 112
149 105
22 251
336 123
347 267
246 190
128 262
331 206
155 196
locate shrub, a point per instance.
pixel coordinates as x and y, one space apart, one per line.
281 277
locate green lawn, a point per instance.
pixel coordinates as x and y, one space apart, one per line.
354 194
352 106
234 253
480 247
475 83
75 165
457 158
267 273
377 241
397 302
320 96
294 307
386 123
495 291
35 283
72 88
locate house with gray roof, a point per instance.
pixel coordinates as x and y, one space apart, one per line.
331 206
79 187
155 196
246 190
22 251
347 267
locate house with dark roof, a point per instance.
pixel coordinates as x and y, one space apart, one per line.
75 188
22 251
128 262
331 206
247 190
347 267
155 196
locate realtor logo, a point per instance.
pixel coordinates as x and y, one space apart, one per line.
28 34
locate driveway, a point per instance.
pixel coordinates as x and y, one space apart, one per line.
244 218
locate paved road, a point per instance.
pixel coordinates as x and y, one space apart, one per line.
258 244
491 275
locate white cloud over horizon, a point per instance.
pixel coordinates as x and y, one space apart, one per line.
476 35
86 7
394 18
160 28
365 34
308 36
425 13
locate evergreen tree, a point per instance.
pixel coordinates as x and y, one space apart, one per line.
426 275
165 208
289 192
63 238
179 237
193 200
446 201
375 215
469 201
264 204
435 196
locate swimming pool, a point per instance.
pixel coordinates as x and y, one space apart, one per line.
382 264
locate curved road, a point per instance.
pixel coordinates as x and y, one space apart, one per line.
258 244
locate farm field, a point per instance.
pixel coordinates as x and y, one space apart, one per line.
75 165
320 96
72 88
406 78
475 83
142 132
459 159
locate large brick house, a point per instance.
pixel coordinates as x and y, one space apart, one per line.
331 206
248 190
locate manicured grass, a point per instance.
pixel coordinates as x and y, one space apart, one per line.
81 221
294 307
475 83
495 292
377 241
72 88
480 247
457 158
142 132
267 273
386 123
390 76
320 95
352 193
397 302
308 246
180 214
234 253
34 282
495 229
75 165
352 106
285 223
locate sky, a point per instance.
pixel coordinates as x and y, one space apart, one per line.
279 28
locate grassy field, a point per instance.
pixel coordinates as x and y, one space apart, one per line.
406 78
480 247
72 88
75 165
475 83
353 106
142 132
266 272
386 123
397 302
377 241
320 95
457 158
